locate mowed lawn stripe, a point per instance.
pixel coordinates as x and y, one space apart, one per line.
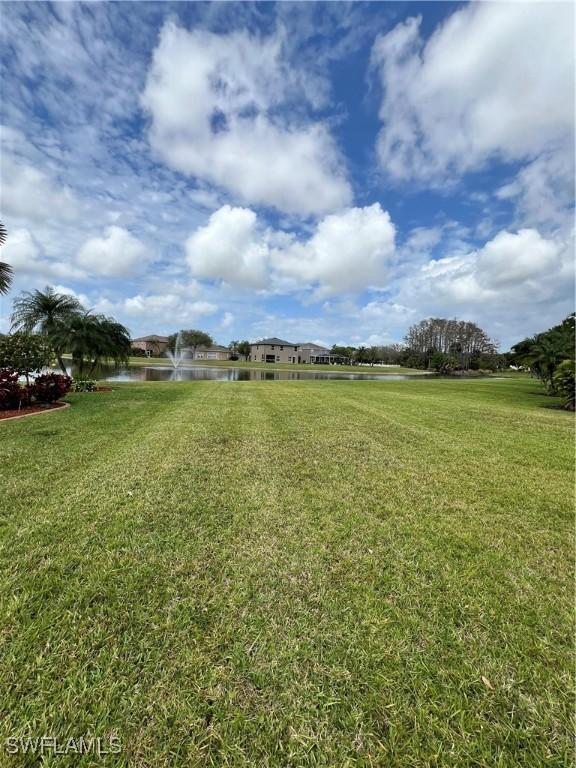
296 573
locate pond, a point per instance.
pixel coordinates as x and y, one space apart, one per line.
208 373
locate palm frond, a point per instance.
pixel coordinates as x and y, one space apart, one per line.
6 273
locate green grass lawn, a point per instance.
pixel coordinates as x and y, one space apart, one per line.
292 574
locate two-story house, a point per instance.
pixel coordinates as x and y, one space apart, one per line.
153 346
273 351
276 350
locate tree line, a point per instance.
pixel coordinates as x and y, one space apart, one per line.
435 343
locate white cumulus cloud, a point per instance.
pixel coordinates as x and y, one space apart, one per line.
167 307
495 80
214 102
511 271
348 251
29 192
117 254
230 247
26 257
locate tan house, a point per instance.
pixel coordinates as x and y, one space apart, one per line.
273 350
308 352
317 355
153 346
279 351
215 352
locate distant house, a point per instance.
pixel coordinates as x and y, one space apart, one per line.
273 350
276 350
309 351
152 346
216 352
322 356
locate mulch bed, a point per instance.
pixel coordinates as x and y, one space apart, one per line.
29 410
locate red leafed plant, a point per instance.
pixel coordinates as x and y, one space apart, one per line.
50 387
12 394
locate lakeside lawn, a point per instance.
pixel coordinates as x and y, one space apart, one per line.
279 366
294 574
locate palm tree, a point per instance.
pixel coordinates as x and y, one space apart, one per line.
43 311
90 339
544 353
6 270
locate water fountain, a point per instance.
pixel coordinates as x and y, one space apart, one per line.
177 356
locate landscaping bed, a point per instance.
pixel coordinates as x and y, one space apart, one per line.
30 410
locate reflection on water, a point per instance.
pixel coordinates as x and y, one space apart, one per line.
205 373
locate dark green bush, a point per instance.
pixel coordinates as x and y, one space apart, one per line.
84 385
564 382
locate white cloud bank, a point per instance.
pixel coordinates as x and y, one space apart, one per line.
514 271
347 252
117 254
25 255
495 80
28 192
214 102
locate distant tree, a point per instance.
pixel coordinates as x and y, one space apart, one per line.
343 351
6 270
391 354
190 338
243 348
42 311
361 355
488 362
443 363
172 342
458 338
195 338
373 355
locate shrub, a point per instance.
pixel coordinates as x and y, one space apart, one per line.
50 387
564 382
137 352
24 352
12 394
84 385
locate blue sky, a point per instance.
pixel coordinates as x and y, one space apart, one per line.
325 172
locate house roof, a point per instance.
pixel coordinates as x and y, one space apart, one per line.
214 348
274 340
153 337
311 345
